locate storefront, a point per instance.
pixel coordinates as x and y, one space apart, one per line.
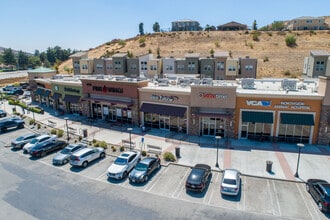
212 110
287 119
111 99
42 94
66 96
165 108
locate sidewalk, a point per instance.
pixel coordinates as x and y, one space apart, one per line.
247 156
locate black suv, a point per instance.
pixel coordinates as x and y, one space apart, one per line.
13 122
320 191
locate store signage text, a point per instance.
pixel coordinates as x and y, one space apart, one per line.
68 89
292 105
258 103
206 95
108 89
164 98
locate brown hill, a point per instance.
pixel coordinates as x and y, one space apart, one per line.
275 59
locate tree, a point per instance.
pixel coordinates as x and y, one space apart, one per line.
254 25
9 57
22 60
277 26
141 30
36 53
158 53
156 27
43 57
34 61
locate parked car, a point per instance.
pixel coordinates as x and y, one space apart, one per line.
144 169
124 164
40 139
231 182
198 177
19 142
63 156
2 113
40 150
11 122
320 191
15 92
84 156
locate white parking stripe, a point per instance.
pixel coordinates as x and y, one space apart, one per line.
216 181
148 189
276 199
181 185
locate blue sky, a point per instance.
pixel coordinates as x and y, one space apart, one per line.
82 24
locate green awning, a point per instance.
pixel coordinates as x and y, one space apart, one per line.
257 117
297 119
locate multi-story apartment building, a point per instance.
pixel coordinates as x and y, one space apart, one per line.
207 67
99 66
108 66
133 69
247 67
119 61
317 64
220 60
155 68
143 61
168 65
192 63
86 66
307 23
76 61
186 25
180 66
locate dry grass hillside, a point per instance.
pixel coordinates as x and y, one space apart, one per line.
275 59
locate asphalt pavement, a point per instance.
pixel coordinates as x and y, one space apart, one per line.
249 157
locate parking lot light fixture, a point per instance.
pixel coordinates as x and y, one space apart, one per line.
130 138
217 159
67 128
300 145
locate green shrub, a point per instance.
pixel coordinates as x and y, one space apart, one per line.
102 144
38 126
266 59
168 156
255 35
144 153
122 43
290 41
60 133
122 148
287 73
250 45
53 131
94 141
80 138
31 122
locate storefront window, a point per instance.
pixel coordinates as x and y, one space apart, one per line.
97 112
75 108
294 133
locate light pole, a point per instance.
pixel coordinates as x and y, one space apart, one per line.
67 128
300 145
217 138
130 138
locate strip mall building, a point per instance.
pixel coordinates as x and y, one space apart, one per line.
263 109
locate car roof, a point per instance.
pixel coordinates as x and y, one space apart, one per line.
43 135
28 135
230 173
70 146
148 160
82 151
202 166
127 154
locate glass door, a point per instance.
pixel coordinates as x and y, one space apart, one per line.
164 122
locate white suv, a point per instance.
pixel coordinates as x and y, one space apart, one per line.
86 155
124 164
40 139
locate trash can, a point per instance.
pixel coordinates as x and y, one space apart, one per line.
84 133
269 166
177 152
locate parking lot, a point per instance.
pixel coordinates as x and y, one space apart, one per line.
259 195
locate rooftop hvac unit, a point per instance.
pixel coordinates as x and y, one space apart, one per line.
289 85
247 83
207 81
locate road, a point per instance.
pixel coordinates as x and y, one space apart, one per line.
15 74
35 189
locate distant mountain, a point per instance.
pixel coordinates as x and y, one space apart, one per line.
2 49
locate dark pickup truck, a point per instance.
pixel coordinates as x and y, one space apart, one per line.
11 122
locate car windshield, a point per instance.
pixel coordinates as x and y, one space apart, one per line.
34 141
65 151
229 181
20 138
120 161
141 167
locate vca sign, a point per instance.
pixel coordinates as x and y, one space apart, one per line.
258 103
